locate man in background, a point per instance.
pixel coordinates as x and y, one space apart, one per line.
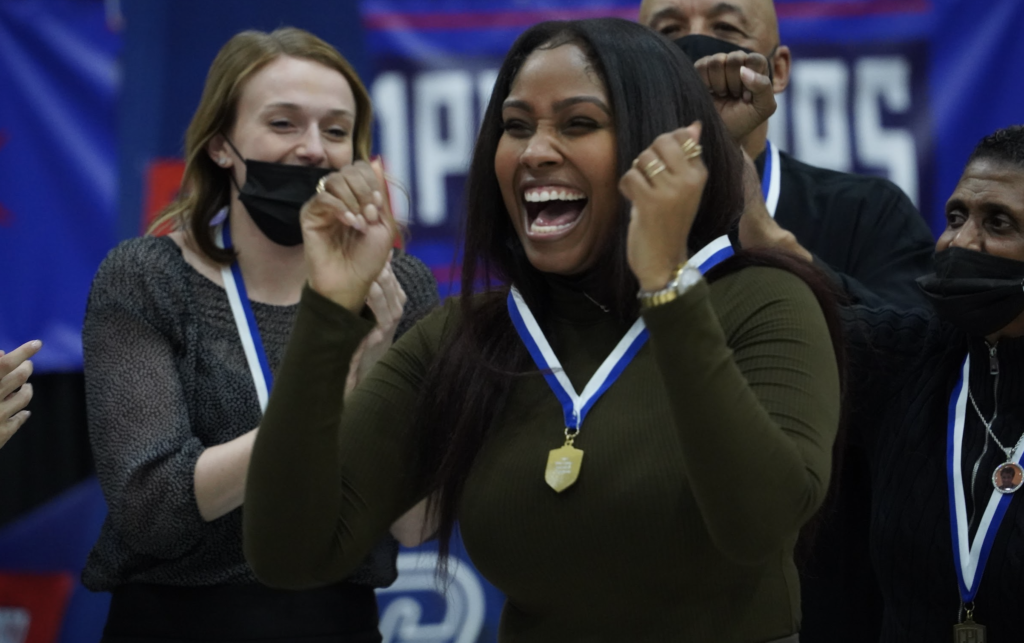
862 230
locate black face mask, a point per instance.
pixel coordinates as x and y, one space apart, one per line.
697 46
977 292
274 193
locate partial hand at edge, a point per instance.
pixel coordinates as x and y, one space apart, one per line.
15 391
348 232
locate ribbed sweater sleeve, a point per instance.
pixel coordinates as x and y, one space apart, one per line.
756 421
309 516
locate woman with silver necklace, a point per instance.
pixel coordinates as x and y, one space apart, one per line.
935 401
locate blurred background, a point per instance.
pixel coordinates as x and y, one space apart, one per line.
95 96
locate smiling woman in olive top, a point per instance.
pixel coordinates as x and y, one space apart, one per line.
601 171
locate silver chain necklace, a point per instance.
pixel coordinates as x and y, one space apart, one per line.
988 423
999 476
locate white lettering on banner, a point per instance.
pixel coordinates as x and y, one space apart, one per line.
401 619
885 81
390 104
831 116
14 623
815 122
821 139
438 95
778 125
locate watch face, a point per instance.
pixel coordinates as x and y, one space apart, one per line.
687 278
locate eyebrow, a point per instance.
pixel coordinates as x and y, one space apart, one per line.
295 108
559 105
986 207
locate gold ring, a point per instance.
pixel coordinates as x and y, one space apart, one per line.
653 164
653 169
321 185
688 145
696 151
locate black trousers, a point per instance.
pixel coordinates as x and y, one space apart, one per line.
342 613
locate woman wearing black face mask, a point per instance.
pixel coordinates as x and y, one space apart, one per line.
936 402
182 336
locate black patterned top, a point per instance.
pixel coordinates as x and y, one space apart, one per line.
166 377
899 416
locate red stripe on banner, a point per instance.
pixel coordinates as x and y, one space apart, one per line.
33 604
809 9
163 178
485 19
806 9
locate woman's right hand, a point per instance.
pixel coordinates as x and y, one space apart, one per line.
348 232
665 186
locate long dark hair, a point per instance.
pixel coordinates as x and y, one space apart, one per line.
652 88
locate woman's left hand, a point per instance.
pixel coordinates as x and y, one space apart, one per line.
15 391
387 301
665 186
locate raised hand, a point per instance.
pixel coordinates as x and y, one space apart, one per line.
387 301
757 228
665 186
741 90
348 232
15 391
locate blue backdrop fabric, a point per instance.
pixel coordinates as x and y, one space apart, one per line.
71 174
58 169
899 88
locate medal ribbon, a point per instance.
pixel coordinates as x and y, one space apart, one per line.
771 182
970 559
248 331
575 407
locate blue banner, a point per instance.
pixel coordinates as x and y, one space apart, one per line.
58 169
897 88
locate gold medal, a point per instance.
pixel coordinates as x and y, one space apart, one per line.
563 464
969 632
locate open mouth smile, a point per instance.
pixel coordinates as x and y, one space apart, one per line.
552 211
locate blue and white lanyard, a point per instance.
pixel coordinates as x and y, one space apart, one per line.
248 331
970 559
770 186
575 407
771 181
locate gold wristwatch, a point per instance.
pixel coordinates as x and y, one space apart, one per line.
684 277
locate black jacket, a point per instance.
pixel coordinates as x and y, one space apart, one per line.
863 228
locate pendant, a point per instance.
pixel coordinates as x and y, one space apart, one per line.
1007 477
563 467
969 632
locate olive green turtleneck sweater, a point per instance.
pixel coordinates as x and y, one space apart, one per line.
701 464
